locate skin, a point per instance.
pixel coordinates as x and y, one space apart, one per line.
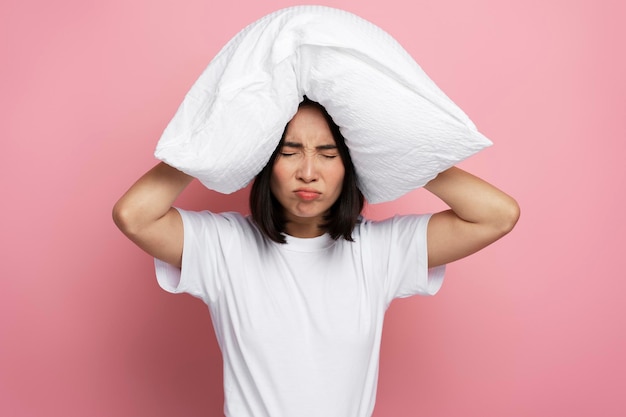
479 215
308 173
306 180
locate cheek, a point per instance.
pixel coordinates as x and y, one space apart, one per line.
341 173
338 178
278 177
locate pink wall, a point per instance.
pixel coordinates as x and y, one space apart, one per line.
532 326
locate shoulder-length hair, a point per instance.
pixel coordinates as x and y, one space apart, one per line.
342 217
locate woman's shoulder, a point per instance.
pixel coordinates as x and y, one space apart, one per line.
395 219
229 220
393 224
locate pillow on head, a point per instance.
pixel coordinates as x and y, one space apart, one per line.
400 128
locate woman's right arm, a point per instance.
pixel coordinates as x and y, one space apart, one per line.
145 214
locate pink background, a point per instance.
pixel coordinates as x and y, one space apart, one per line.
532 326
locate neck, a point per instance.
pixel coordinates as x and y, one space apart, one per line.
304 229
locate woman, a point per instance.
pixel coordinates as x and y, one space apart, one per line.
298 291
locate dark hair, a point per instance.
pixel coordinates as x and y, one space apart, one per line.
344 214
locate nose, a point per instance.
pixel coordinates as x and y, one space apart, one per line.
307 169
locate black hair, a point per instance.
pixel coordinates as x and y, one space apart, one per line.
343 215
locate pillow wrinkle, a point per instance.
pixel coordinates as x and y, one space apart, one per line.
400 128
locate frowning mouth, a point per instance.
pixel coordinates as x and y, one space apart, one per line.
307 194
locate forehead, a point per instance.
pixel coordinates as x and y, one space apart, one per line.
308 125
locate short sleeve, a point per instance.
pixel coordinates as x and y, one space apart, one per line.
401 251
408 267
206 237
168 276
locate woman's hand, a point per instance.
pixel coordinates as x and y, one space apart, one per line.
145 214
479 215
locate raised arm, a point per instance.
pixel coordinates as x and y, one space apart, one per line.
145 214
479 215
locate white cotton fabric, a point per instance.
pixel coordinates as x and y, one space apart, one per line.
299 324
401 129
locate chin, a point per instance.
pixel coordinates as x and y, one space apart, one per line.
306 214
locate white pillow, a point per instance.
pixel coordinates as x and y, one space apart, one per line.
401 129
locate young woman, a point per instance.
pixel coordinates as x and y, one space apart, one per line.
298 291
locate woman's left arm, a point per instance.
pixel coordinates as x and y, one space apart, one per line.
479 215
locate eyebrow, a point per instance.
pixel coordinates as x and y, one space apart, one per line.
300 146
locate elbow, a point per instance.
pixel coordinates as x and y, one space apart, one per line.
508 215
124 218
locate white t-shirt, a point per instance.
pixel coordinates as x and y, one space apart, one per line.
299 324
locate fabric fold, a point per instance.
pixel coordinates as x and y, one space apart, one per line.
401 129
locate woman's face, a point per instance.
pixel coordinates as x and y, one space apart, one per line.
308 172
